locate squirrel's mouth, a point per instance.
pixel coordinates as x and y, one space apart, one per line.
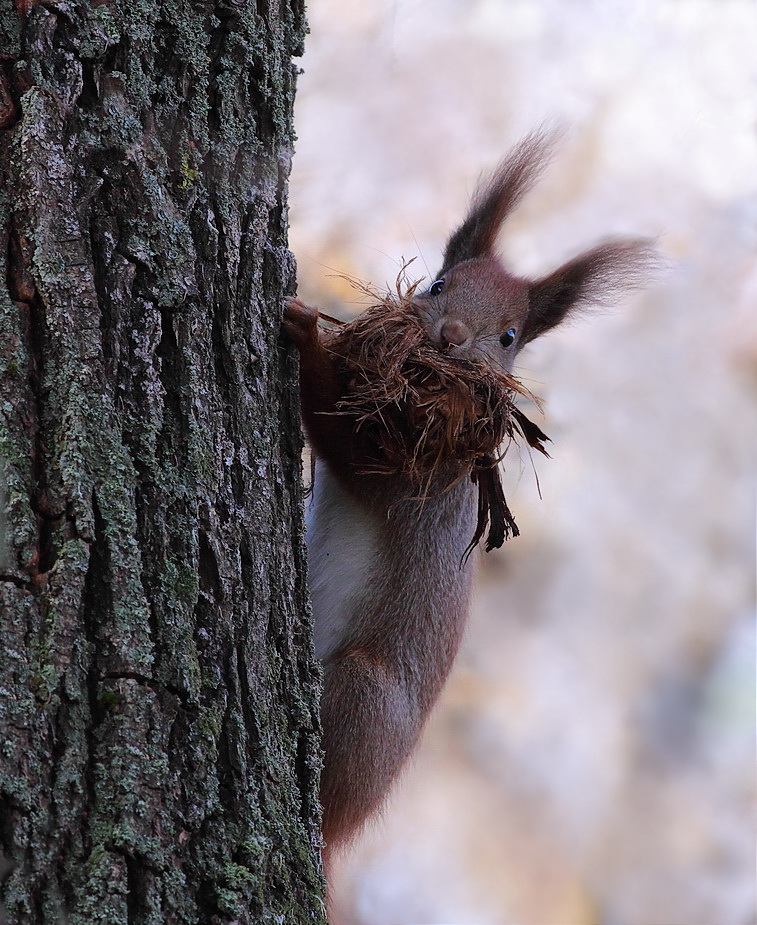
425 413
452 336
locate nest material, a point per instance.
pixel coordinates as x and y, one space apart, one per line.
423 412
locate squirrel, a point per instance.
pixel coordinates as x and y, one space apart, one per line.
389 579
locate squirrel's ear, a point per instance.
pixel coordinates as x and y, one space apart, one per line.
496 197
594 277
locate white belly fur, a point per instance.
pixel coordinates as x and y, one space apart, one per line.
342 546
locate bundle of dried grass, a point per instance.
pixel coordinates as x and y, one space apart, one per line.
420 410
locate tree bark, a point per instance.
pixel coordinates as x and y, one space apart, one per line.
159 738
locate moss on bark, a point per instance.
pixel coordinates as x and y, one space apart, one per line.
159 752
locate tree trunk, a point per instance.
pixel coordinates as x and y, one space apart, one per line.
159 740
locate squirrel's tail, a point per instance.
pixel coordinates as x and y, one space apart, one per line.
370 725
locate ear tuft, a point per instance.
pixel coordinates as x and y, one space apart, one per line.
596 277
496 197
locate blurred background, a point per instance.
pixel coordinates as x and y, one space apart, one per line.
592 759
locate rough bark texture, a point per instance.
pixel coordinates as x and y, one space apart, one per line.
158 722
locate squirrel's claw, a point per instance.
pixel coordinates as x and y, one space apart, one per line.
300 321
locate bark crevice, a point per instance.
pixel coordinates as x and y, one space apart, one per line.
161 740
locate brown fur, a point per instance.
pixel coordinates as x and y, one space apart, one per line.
496 198
407 612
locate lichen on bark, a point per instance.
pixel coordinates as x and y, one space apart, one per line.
159 752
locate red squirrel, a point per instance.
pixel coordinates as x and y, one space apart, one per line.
389 579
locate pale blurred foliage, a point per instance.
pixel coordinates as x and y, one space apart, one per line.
592 758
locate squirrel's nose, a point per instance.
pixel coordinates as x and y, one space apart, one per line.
453 333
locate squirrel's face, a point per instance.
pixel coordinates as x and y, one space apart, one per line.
476 310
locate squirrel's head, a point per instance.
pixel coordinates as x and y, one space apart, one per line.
475 307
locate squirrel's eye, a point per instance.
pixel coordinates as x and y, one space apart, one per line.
507 338
436 288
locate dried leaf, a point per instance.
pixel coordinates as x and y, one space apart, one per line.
420 409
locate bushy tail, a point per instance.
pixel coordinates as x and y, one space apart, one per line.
370 725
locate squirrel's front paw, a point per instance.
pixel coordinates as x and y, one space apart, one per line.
300 321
